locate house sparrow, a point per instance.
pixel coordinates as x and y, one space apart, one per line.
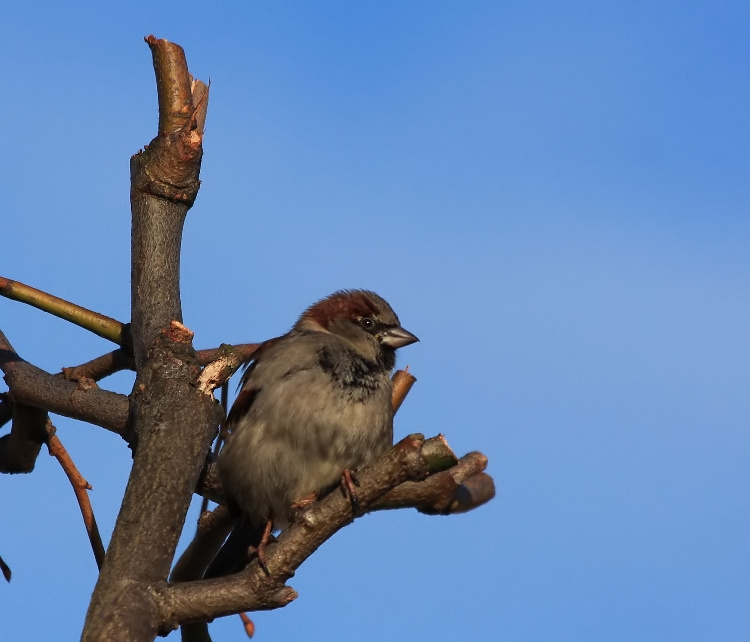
315 405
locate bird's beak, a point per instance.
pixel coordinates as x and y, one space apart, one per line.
397 338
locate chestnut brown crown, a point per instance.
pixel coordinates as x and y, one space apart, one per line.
361 317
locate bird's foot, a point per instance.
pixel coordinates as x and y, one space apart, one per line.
299 507
349 482
260 550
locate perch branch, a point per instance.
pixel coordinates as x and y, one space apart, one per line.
450 486
251 589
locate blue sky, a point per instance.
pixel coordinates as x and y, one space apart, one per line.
554 198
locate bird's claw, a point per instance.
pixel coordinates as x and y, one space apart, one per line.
260 550
348 483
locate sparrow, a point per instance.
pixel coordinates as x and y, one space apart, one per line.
314 406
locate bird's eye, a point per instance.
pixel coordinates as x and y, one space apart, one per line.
367 323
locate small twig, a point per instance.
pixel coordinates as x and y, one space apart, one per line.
5 569
218 372
120 359
101 367
402 380
80 486
248 623
101 325
244 351
458 489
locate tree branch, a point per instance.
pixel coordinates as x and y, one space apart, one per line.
20 448
34 387
99 324
80 488
173 421
101 367
251 589
163 186
402 381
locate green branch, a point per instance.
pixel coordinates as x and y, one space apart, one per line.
101 325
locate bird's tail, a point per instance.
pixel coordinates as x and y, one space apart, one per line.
233 555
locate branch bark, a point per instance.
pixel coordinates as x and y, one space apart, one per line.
405 465
34 387
163 186
104 326
80 488
173 422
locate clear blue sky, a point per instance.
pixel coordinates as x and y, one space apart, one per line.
553 196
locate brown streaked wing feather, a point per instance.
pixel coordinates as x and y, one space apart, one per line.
241 405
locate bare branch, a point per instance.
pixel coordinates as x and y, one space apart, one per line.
164 184
20 448
80 488
252 589
34 387
402 381
99 324
101 367
173 421
456 490
213 528
244 352
397 480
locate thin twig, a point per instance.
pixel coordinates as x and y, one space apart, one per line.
244 351
5 570
101 325
101 367
80 488
402 381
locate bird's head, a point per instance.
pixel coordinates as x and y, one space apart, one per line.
362 318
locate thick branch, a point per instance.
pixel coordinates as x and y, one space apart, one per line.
174 425
451 486
163 185
34 387
174 422
252 589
